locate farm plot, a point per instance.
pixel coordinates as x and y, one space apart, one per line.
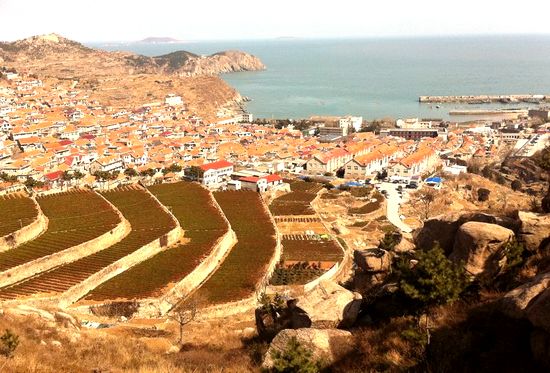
74 217
246 264
203 225
16 211
296 274
298 201
300 248
149 222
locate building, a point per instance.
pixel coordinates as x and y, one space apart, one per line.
173 100
543 114
422 161
415 133
215 173
351 122
327 162
107 164
366 165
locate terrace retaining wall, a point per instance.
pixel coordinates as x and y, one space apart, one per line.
191 282
26 233
121 265
68 255
143 253
250 303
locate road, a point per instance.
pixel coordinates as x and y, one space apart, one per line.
394 200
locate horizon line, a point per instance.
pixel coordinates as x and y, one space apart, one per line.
292 37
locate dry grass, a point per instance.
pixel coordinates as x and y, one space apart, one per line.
120 350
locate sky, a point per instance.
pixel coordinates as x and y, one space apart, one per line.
130 20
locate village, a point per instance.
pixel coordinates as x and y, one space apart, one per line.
53 138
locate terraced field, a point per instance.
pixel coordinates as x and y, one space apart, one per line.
298 201
149 222
302 249
246 264
16 211
74 218
203 225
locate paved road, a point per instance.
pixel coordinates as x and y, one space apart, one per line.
393 201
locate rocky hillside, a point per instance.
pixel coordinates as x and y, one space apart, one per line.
57 56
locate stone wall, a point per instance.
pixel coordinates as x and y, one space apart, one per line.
145 252
71 254
121 265
27 233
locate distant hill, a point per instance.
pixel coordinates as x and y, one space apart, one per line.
55 55
159 40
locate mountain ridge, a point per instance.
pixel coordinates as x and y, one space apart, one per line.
56 55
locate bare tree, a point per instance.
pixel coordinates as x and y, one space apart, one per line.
186 312
423 201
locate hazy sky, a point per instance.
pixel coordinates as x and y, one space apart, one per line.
123 20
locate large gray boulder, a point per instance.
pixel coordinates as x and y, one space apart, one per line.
534 230
329 305
443 228
516 301
326 345
373 260
480 247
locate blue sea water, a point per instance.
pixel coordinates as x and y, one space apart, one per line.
377 78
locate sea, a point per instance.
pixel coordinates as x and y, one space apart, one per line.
376 77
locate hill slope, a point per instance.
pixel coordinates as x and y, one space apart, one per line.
57 56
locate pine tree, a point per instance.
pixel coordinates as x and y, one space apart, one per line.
433 280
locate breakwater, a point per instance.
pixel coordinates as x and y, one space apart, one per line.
485 99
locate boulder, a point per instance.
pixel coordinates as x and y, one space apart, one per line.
373 260
268 324
329 305
66 320
326 345
404 246
538 311
479 246
24 310
443 228
534 230
248 334
516 301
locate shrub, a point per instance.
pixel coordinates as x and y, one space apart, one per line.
294 359
434 280
390 240
516 185
8 343
483 194
116 309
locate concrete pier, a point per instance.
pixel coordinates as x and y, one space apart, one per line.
482 99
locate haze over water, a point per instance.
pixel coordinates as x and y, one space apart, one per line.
377 78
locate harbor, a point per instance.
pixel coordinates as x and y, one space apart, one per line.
486 99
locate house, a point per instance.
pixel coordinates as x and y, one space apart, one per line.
415 164
330 161
260 183
215 173
107 164
366 165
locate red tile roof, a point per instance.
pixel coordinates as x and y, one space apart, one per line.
216 165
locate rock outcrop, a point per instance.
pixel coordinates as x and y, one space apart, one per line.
215 64
516 302
534 230
443 229
326 345
372 260
480 247
329 305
